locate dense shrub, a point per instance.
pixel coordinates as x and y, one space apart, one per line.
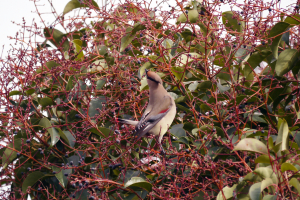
233 75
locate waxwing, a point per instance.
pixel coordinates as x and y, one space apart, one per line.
159 114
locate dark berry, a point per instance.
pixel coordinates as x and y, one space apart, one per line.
186 12
15 132
54 172
71 163
39 189
28 168
85 36
66 174
28 141
18 154
270 9
117 132
66 155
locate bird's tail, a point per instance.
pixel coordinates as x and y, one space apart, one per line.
127 121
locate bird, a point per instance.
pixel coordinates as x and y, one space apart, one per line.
160 111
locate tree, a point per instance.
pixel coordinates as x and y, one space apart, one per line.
236 132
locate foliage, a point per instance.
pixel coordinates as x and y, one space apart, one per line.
235 135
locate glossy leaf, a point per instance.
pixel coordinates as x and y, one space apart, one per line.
10 154
288 166
70 83
46 101
178 131
139 182
193 16
286 61
205 85
227 191
283 134
295 183
12 93
230 21
293 20
96 106
126 40
276 33
51 130
255 192
266 172
31 179
251 144
74 4
56 38
263 159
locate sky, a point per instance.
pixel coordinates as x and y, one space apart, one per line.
16 10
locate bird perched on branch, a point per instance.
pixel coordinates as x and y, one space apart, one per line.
159 113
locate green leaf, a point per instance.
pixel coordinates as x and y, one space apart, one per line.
222 88
232 22
126 40
193 16
51 64
9 154
79 52
178 131
263 159
12 93
255 59
70 83
67 136
100 84
293 20
295 183
46 101
251 144
283 134
144 84
31 179
146 65
266 183
277 32
139 182
60 175
51 130
182 140
102 50
103 132
288 166
178 72
74 4
56 37
286 61
96 106
254 191
270 197
266 172
227 191
205 85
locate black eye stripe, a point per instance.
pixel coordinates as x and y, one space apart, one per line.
152 79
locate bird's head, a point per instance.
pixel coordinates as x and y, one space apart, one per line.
153 79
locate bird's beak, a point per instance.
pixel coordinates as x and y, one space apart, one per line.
146 71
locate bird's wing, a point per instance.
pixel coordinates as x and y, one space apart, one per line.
127 121
153 117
